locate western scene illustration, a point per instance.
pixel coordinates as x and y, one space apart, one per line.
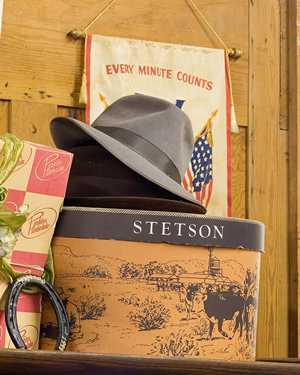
139 299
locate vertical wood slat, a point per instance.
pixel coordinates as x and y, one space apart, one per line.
30 121
294 170
264 190
284 40
4 111
239 173
289 327
293 177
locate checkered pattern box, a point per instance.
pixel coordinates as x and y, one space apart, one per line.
39 181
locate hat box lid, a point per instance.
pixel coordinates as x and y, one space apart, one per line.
160 227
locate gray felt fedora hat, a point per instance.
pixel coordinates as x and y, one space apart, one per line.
151 136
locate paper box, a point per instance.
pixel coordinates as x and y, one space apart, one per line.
157 283
39 181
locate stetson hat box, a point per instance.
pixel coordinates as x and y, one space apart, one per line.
138 282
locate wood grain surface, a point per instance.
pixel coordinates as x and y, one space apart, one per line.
239 166
49 363
284 64
295 168
265 200
36 116
4 114
294 164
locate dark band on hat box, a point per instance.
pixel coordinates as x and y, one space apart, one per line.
173 228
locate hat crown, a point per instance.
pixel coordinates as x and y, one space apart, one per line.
154 120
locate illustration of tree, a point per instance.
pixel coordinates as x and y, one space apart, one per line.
177 269
130 270
97 271
152 268
92 307
162 268
150 314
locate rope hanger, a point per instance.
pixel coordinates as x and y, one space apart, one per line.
232 53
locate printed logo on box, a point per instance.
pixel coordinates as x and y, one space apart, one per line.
50 173
39 222
51 167
29 334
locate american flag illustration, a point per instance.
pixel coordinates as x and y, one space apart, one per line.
198 178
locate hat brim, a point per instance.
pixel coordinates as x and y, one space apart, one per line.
135 203
69 132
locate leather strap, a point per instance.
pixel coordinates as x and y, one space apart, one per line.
11 311
144 148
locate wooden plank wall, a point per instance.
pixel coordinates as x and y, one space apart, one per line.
40 74
294 161
266 167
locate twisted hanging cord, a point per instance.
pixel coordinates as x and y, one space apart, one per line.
80 34
201 18
232 52
101 13
194 8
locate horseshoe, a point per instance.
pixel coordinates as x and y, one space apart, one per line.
11 310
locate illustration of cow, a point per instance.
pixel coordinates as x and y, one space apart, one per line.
221 303
228 305
223 306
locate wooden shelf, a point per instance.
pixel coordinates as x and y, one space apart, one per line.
52 363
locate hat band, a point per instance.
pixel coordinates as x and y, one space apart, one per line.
144 148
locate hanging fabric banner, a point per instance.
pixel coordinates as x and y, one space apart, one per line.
196 79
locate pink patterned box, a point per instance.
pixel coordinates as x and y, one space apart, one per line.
39 181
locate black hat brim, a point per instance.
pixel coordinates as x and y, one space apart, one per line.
135 203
